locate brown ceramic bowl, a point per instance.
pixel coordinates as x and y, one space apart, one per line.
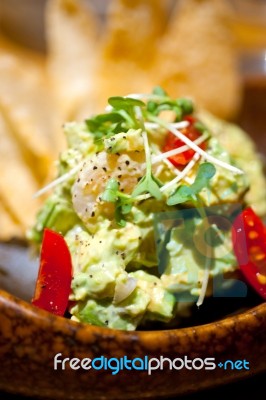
30 338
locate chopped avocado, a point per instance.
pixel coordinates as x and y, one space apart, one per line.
127 315
98 281
79 138
129 141
100 260
225 186
107 245
162 302
57 214
188 256
242 149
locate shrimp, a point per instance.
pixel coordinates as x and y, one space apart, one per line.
91 180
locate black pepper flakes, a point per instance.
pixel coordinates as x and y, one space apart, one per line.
93 214
127 162
94 168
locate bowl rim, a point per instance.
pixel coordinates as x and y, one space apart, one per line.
256 313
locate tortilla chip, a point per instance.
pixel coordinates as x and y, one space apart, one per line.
197 57
71 30
28 110
133 28
17 184
128 47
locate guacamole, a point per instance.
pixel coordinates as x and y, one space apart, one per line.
123 183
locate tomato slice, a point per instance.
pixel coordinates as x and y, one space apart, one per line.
249 242
172 142
53 284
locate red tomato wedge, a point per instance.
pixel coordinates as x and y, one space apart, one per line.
53 284
172 142
249 242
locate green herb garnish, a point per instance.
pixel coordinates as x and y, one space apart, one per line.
186 193
148 183
118 102
122 201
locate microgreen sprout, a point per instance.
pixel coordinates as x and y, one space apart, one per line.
185 193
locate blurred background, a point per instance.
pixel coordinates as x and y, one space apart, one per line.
60 60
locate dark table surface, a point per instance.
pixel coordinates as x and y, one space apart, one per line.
246 387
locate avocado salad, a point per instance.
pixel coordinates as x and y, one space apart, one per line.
126 180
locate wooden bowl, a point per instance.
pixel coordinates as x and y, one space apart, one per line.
30 338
